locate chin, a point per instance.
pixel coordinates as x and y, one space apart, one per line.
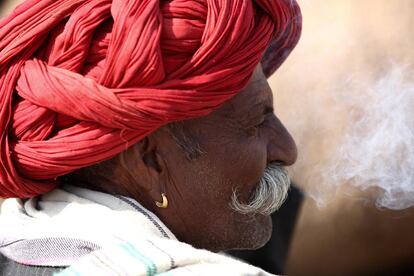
264 232
244 232
256 233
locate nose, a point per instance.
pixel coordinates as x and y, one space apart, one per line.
281 147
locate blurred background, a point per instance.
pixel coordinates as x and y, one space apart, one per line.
347 96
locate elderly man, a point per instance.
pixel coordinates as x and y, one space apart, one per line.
138 134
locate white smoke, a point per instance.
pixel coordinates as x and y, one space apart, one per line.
377 150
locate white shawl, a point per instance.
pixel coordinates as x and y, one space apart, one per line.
100 234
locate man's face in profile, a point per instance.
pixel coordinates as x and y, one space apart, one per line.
225 154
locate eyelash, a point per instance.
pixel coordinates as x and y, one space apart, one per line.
262 123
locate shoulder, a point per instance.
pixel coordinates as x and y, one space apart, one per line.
150 257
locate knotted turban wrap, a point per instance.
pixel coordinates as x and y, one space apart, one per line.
81 80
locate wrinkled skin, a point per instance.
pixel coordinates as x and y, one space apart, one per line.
237 142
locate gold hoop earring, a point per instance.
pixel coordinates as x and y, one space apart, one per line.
164 203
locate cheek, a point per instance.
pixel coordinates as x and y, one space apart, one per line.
241 162
229 161
251 169
252 160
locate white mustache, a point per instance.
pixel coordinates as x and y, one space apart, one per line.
269 195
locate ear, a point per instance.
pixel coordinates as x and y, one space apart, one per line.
149 156
145 170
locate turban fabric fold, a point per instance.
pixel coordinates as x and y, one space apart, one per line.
81 80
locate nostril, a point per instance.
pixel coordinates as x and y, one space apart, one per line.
279 163
282 151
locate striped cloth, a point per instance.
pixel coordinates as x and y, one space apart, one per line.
92 233
11 268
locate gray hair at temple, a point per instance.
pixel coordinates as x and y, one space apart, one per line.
269 195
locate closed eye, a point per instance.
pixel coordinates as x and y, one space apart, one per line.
267 113
261 123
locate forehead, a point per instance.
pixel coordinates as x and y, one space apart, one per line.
256 95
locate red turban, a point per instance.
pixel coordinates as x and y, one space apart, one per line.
81 80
